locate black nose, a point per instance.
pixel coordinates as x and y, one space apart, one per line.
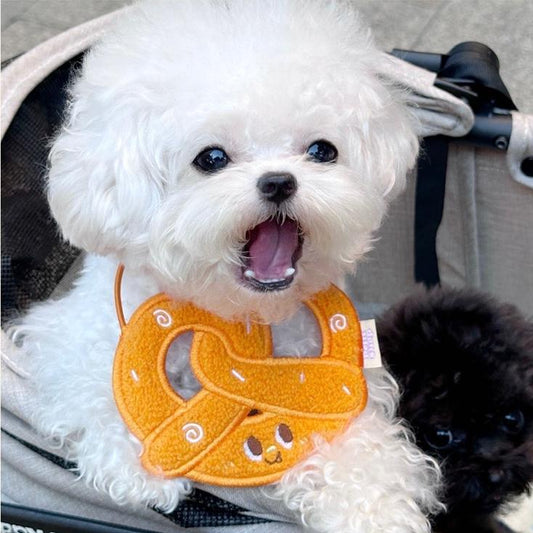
277 187
496 475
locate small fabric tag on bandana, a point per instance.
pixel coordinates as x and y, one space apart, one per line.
371 353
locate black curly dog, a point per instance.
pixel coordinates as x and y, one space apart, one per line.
465 366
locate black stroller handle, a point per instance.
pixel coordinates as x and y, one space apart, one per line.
426 60
16 518
471 71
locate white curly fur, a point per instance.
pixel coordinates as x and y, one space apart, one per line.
263 79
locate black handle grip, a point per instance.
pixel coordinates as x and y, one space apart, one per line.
425 60
16 518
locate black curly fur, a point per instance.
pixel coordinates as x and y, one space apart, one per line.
465 366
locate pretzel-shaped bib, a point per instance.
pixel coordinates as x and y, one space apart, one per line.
255 415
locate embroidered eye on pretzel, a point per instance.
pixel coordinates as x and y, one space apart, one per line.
255 415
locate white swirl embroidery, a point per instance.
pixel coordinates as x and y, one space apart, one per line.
338 322
193 432
162 318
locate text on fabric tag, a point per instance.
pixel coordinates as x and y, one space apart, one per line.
371 353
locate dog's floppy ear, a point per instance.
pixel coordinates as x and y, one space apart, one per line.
393 142
395 146
102 185
385 140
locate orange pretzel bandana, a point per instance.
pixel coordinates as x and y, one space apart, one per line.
255 414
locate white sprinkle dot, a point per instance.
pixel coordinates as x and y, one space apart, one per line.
134 375
240 377
302 377
346 390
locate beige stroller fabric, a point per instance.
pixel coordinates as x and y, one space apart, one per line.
485 240
23 74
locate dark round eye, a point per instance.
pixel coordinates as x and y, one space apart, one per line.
211 159
284 436
253 448
322 152
513 422
439 438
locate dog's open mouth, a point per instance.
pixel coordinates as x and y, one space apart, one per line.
270 255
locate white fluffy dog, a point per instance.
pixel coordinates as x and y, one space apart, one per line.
238 154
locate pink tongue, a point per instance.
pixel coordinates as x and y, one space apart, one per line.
271 248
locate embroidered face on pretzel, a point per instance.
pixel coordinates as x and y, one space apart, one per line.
256 414
255 450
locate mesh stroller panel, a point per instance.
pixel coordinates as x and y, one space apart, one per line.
34 257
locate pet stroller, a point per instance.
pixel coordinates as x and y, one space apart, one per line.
465 219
